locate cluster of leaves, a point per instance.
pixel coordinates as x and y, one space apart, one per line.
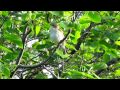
97 58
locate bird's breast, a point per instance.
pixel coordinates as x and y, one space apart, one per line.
56 35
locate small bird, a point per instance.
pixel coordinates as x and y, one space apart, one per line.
56 35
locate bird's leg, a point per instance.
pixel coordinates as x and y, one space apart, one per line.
61 69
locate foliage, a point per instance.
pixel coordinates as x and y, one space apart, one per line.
96 32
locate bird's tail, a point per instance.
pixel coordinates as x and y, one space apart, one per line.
63 47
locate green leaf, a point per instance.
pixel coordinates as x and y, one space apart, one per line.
5 49
84 19
36 44
114 36
117 43
6 71
113 53
106 57
26 16
70 46
77 34
14 39
41 76
76 74
10 56
0 12
95 17
37 29
57 13
67 13
117 65
117 72
5 13
1 61
26 55
100 65
65 55
64 25
74 41
33 16
96 76
7 24
60 53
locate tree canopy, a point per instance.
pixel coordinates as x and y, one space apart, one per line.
92 44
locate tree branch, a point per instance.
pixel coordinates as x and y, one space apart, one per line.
42 63
48 17
18 60
54 76
113 61
83 36
25 33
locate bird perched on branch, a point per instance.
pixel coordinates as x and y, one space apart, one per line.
56 35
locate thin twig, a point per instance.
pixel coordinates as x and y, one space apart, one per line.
54 76
42 63
25 33
18 60
113 61
83 36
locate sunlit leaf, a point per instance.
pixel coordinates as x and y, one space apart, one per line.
57 13
33 16
95 17
0 12
117 72
70 46
5 49
106 57
85 19
117 43
114 36
6 71
60 53
37 29
41 76
113 53
14 39
117 65
26 16
77 34
67 13
10 56
100 65
76 74
5 13
96 76
7 24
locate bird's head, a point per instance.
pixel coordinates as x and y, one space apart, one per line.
54 25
